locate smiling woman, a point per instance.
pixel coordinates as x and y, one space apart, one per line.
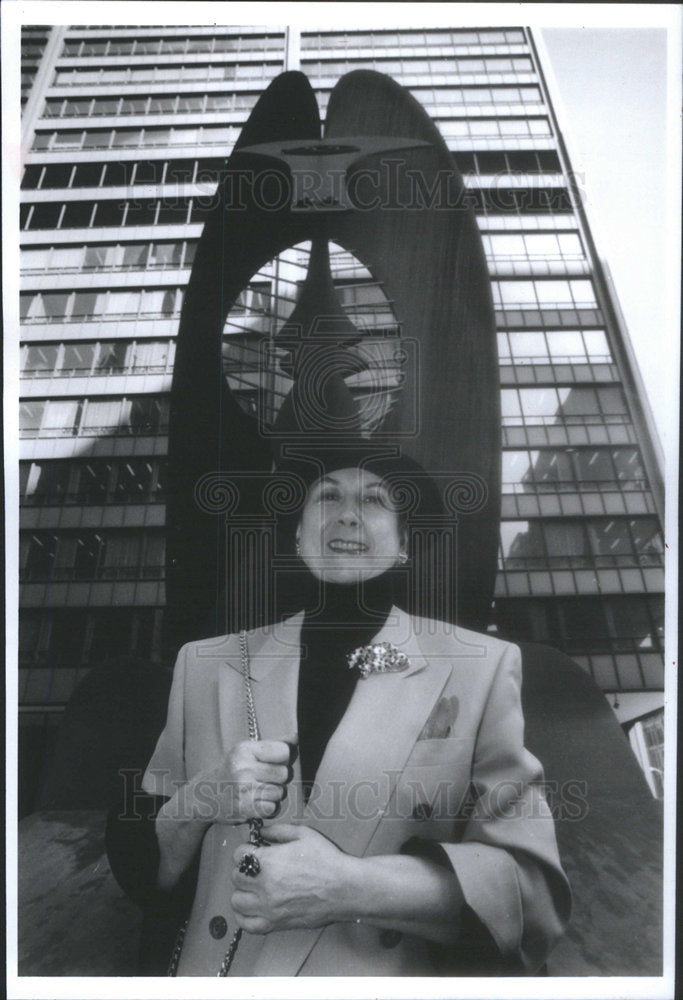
349 528
367 853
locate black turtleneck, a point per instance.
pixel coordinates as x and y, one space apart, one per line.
347 616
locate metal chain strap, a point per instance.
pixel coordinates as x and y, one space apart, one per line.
255 836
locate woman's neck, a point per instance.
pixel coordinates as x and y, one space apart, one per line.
359 603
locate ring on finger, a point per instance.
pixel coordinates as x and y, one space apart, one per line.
249 865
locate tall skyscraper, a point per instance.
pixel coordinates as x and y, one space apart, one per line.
125 130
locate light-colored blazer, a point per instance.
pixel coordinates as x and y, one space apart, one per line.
435 752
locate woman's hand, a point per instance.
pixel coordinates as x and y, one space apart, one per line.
303 882
249 783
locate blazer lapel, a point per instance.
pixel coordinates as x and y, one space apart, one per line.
369 748
361 765
275 657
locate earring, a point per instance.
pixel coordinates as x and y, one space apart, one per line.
403 558
298 549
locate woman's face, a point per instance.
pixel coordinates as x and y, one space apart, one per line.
349 530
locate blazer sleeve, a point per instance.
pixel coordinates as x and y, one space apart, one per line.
166 770
507 862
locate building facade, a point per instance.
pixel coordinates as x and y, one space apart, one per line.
125 130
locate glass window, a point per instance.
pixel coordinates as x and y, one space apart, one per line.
102 416
66 258
628 617
648 540
165 255
111 357
148 415
43 482
67 140
87 304
142 213
507 245
578 402
510 408
610 541
41 359
566 543
122 558
158 136
528 347
583 625
570 244
109 213
553 293
89 550
538 405
44 216
565 345
551 469
77 215
150 355
92 484
541 244
109 108
628 464
127 137
97 139
119 174
173 213
593 465
57 175
133 106
125 304
36 555
87 175
34 260
27 304
612 401
596 345
503 347
162 105
133 480
516 293
50 307
97 258
61 418
78 358
521 545
583 293
516 468
30 417
135 255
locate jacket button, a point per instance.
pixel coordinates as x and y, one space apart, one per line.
218 927
389 939
422 811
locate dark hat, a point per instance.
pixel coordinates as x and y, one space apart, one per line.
414 492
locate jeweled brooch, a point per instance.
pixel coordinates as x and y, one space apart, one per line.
382 658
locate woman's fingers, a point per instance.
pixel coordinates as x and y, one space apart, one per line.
269 793
272 751
244 902
271 774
